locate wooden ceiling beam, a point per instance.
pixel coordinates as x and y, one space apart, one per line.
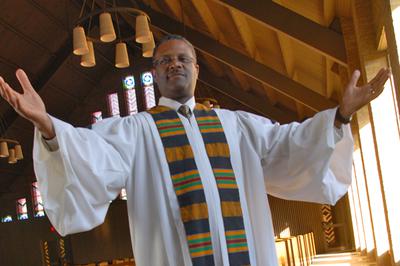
244 84
328 11
328 78
214 66
288 59
245 33
166 6
42 80
241 62
280 19
207 17
253 102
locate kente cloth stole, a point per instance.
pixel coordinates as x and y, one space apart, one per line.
189 188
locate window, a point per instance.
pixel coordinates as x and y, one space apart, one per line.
96 117
123 195
22 210
38 209
130 95
6 219
148 90
113 104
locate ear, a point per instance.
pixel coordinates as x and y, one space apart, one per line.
197 70
154 73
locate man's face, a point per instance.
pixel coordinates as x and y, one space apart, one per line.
175 70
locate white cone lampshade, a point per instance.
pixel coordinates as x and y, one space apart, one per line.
142 29
18 152
4 149
88 60
148 47
121 55
11 158
79 41
107 32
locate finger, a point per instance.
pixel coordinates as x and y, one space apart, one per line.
377 77
10 95
378 88
1 86
24 80
381 79
354 78
3 89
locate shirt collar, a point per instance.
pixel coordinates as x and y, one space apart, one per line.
164 101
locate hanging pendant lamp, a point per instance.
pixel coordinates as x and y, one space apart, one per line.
11 158
142 29
18 152
107 17
89 60
4 149
79 41
148 47
121 55
107 32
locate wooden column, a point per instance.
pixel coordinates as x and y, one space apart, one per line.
374 123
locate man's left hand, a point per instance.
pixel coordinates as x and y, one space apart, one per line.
354 97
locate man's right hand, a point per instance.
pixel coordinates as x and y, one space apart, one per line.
28 104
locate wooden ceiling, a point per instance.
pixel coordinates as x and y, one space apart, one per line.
280 59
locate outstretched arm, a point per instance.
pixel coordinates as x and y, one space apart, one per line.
355 97
79 179
28 104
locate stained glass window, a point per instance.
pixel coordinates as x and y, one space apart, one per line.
148 90
22 210
6 219
96 117
130 95
113 104
123 195
37 201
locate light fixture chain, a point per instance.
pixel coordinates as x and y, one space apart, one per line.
90 20
116 17
83 8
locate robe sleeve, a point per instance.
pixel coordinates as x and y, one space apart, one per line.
310 161
86 172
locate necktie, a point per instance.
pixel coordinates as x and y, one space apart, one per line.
185 111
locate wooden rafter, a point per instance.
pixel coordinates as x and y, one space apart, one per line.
171 7
329 10
245 33
242 63
328 78
208 19
278 18
254 102
288 59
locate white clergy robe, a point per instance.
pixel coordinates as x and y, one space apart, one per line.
310 161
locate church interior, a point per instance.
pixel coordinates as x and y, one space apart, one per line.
282 59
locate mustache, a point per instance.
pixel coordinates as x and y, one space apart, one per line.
176 72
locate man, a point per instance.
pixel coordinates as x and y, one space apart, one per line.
196 178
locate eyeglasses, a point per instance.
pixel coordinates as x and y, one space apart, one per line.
167 60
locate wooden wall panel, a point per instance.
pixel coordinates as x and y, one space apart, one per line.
300 217
109 241
21 241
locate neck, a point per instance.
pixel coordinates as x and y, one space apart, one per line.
182 100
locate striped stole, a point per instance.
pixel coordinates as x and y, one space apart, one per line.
189 188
